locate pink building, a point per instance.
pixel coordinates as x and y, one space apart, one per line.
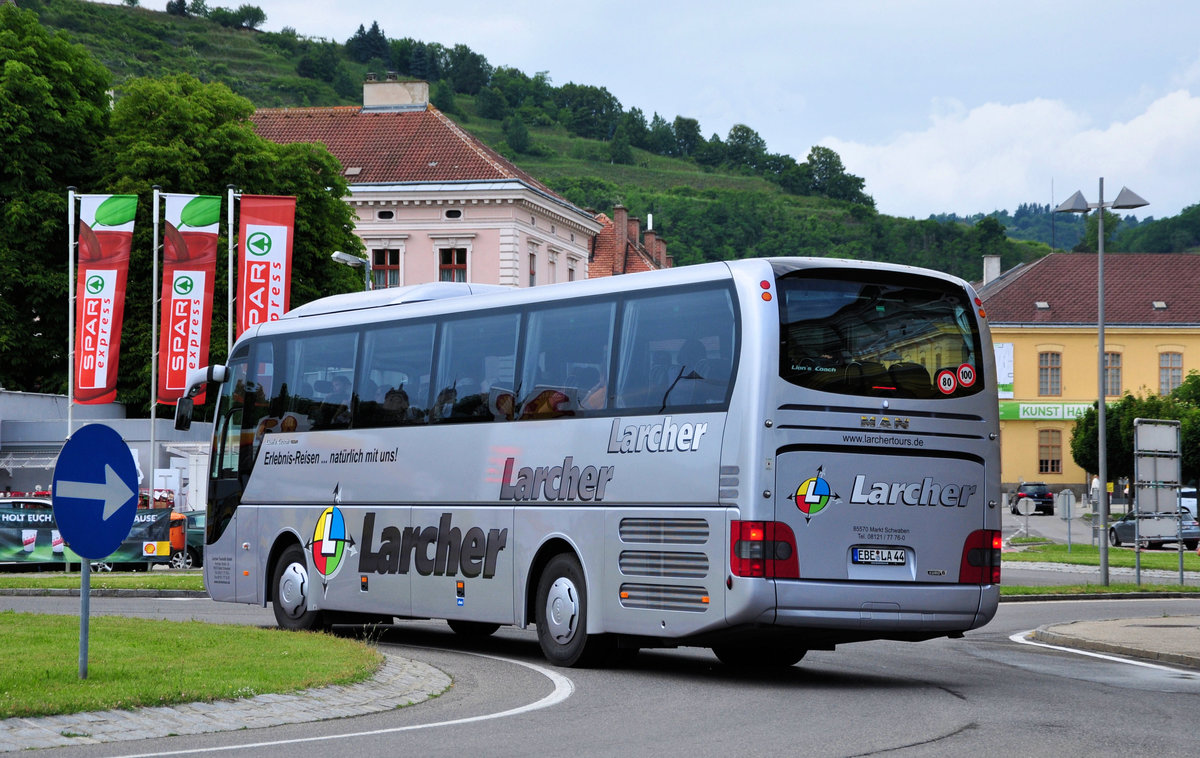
433 202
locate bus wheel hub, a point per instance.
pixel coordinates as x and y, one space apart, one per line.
562 610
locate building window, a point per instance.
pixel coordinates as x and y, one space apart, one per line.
1170 372
385 269
454 213
533 269
452 264
1112 374
1049 451
551 272
1049 373
385 215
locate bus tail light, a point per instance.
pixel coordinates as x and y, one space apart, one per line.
763 549
981 558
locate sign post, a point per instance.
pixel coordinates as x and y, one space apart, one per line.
95 499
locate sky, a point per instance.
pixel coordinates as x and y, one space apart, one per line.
941 106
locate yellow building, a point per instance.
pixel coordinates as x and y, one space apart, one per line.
1044 325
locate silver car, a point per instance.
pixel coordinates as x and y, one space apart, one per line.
1155 530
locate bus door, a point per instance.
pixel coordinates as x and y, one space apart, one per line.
231 567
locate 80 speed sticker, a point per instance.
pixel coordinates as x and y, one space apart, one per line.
947 382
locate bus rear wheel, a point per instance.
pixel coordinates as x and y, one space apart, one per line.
561 614
291 587
759 655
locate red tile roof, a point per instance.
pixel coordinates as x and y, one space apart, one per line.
392 146
606 247
1067 283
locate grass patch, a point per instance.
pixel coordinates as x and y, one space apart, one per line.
134 662
147 580
1093 589
1089 555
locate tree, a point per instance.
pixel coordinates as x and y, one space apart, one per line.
1119 418
251 16
1089 243
198 8
442 97
661 140
177 7
53 116
491 103
829 178
516 135
469 71
744 148
189 136
619 150
368 44
687 136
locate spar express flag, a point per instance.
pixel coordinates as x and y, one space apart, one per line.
189 269
105 236
265 267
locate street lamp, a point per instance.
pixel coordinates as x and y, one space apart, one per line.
354 261
1076 203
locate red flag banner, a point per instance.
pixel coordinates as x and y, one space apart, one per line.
265 271
105 236
189 270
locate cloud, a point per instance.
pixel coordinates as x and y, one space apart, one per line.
997 156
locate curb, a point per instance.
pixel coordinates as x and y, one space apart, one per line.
1045 634
69 592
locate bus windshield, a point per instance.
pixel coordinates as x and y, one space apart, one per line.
892 336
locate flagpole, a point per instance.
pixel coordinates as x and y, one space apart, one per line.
154 305
229 290
70 310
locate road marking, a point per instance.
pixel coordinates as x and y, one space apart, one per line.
563 688
1022 638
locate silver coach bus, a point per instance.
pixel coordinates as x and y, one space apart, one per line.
759 456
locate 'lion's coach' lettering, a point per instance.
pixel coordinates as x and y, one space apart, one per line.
924 492
474 553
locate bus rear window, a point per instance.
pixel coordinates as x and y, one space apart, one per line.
891 336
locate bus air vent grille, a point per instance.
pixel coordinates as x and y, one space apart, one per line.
658 597
671 531
646 563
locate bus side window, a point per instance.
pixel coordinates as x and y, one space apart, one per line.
394 360
677 350
566 362
477 356
320 366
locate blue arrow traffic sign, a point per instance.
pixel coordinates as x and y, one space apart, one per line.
95 491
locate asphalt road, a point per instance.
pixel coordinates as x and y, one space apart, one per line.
985 695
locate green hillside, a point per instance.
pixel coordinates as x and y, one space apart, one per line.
715 198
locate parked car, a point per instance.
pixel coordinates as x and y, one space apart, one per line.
1187 501
1155 529
192 554
1038 492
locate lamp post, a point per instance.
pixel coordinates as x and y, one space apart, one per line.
1076 203
354 261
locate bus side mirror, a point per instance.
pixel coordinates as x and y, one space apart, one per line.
183 413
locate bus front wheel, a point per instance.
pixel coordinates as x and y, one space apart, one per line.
562 611
291 587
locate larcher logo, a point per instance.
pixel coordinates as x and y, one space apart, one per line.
813 495
330 544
